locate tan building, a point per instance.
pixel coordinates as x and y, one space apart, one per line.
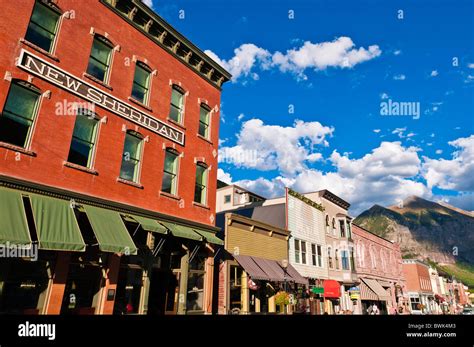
252 267
231 197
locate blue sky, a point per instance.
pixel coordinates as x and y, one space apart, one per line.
304 108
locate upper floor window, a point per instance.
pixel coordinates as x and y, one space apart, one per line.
352 259
170 172
342 228
83 139
141 83
201 183
330 264
336 258
177 105
300 251
345 260
320 255
313 254
204 121
19 112
132 151
99 60
43 26
327 223
227 199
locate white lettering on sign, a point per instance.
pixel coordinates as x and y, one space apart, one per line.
57 76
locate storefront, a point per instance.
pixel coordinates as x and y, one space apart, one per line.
373 297
83 257
332 296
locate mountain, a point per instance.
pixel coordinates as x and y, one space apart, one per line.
424 229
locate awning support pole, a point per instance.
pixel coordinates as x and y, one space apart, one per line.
193 253
158 247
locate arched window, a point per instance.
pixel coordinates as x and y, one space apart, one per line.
19 113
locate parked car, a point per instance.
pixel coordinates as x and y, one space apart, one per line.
468 311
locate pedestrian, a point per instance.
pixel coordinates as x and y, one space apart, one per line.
375 310
369 309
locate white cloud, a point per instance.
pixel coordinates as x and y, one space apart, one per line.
149 3
240 117
455 173
274 147
340 53
439 151
397 52
432 135
411 134
471 65
224 176
376 131
400 132
434 73
400 77
384 96
245 58
382 176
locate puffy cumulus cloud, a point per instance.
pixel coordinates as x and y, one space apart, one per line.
224 176
389 159
455 173
149 3
434 73
340 52
245 58
383 177
274 147
400 77
464 201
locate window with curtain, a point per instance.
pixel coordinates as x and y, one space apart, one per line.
43 26
132 150
201 183
303 252
170 172
345 260
297 251
177 103
99 60
18 114
336 258
330 265
320 255
313 254
342 227
204 121
141 83
83 139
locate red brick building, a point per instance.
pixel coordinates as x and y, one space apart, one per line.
108 159
419 286
379 268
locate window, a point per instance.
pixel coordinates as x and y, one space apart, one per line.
227 199
132 150
141 83
204 122
177 103
345 260
201 182
333 224
300 251
349 231
83 139
170 172
320 256
99 60
297 251
414 303
327 223
43 26
303 252
18 114
342 228
313 254
330 265
336 258
373 259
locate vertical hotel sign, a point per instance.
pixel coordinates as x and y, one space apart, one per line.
71 83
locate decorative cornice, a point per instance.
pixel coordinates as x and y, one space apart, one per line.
305 200
163 34
335 199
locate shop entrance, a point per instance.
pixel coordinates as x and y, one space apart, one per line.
164 292
82 289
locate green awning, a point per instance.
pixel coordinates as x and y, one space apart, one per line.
149 224
56 224
110 230
210 236
182 231
13 224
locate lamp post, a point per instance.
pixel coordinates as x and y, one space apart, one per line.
284 265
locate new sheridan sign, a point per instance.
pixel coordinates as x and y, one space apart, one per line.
61 78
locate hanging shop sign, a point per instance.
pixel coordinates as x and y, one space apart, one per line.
354 293
98 97
317 290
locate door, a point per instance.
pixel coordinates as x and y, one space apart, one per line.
164 292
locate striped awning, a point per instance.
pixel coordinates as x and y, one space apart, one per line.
251 268
376 288
366 293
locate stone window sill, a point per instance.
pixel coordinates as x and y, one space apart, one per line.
198 204
203 138
139 103
170 196
80 168
130 183
176 123
17 149
39 49
96 80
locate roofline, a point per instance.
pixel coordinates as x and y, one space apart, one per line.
263 225
248 191
370 232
